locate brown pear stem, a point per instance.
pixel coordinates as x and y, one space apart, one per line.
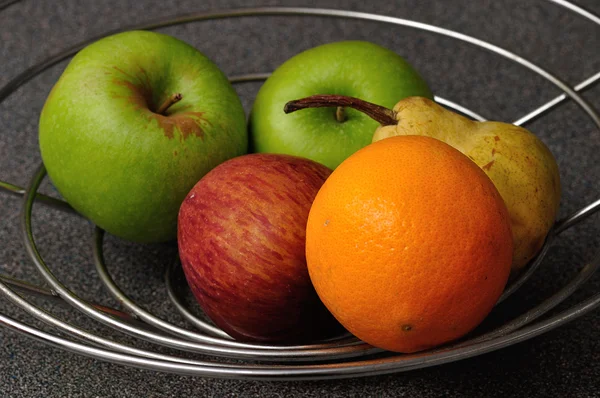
381 114
168 102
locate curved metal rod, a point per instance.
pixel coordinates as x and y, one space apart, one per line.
175 300
192 336
524 276
369 367
578 10
38 291
84 335
299 11
559 227
459 108
581 87
5 4
333 352
559 99
28 288
577 216
16 190
198 323
583 276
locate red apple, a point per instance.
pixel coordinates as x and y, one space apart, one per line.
241 236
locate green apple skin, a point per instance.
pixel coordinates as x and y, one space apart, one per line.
117 161
353 68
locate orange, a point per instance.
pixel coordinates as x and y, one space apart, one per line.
408 244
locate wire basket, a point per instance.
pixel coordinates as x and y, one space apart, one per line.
220 356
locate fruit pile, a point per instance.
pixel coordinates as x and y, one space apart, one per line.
373 209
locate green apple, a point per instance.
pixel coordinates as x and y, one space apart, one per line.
352 68
135 120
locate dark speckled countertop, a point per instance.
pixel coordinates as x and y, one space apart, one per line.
563 362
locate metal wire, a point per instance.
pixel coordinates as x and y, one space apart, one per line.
547 107
337 358
6 3
313 372
178 304
289 352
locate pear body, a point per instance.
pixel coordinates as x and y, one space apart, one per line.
519 164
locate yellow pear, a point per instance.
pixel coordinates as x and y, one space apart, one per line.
519 164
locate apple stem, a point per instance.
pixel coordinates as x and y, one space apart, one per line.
381 114
340 115
168 102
